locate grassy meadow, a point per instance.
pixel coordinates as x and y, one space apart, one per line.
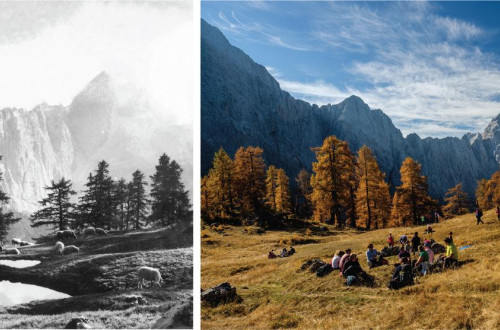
277 294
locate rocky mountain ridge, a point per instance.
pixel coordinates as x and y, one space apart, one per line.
242 104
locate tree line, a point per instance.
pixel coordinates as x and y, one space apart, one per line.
343 189
110 204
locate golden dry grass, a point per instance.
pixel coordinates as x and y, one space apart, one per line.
277 295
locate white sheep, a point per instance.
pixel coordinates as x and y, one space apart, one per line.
89 231
100 231
70 249
16 241
59 247
149 274
12 251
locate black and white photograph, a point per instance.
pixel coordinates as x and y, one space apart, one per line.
96 168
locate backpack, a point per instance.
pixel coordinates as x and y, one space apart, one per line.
351 280
324 270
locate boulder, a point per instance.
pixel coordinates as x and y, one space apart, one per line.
438 248
220 294
316 264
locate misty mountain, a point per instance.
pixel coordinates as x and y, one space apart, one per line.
106 120
242 104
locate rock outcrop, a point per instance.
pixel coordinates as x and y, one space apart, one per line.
242 104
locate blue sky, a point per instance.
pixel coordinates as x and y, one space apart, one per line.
433 67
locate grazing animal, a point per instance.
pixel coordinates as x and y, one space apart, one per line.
12 251
149 274
59 247
70 249
24 243
89 231
100 231
63 234
16 241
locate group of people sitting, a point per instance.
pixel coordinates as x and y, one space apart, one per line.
404 272
348 264
284 253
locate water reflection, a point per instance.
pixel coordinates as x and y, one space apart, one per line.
19 293
19 263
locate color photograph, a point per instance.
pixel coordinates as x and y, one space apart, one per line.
350 165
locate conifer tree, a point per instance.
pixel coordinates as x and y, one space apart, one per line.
205 200
138 202
457 202
120 196
372 195
219 186
249 179
413 199
303 204
283 204
97 205
484 196
271 187
6 218
330 182
395 218
169 199
57 209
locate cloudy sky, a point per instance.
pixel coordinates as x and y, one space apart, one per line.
49 51
433 67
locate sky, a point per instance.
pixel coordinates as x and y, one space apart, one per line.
50 50
433 67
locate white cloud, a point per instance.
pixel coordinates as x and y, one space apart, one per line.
146 44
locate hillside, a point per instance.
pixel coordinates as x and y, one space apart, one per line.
102 281
242 105
277 295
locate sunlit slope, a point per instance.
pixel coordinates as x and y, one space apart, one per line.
277 295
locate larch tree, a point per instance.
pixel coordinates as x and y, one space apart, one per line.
138 208
395 216
249 178
219 186
331 180
6 218
484 197
457 202
272 187
97 205
283 204
57 208
413 198
169 199
372 195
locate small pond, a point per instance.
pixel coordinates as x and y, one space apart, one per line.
20 293
19 263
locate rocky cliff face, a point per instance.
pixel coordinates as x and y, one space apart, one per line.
104 121
242 104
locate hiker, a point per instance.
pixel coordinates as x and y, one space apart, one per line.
390 240
353 268
271 255
429 229
284 253
371 256
451 253
403 254
479 214
415 242
344 258
436 217
423 219
423 260
402 275
336 259
498 213
450 236
403 240
428 249
291 251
